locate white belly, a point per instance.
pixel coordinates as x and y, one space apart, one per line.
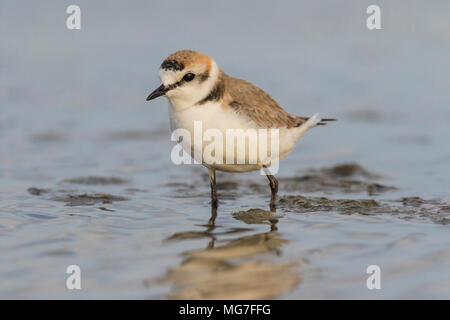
215 119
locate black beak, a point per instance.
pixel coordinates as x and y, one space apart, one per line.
160 91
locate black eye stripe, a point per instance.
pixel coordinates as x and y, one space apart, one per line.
179 83
174 85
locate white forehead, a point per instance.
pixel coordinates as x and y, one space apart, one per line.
169 76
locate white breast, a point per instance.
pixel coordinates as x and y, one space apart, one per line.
214 116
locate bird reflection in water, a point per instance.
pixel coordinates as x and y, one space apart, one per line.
230 267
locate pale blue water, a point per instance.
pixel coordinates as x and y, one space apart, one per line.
73 105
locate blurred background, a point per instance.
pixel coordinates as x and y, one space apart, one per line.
86 176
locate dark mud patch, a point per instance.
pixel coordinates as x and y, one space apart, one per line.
257 216
86 199
73 198
419 202
348 170
406 208
37 191
92 180
342 178
314 204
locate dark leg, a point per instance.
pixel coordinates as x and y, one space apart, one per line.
212 220
274 188
273 183
212 179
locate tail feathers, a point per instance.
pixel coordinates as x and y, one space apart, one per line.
312 122
308 124
322 121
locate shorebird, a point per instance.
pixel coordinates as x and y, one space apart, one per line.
198 90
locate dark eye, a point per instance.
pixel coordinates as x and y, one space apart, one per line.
189 77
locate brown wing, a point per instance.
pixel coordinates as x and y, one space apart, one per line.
259 106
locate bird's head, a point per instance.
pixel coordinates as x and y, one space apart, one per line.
187 77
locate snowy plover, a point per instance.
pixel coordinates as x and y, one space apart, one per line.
198 90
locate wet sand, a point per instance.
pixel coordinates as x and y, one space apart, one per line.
250 257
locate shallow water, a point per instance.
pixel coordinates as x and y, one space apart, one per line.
86 176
